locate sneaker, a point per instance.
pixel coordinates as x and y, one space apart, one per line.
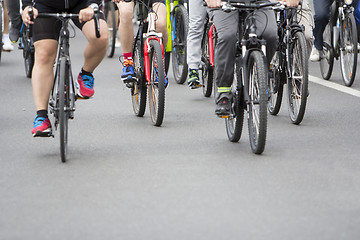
42 127
14 33
315 55
7 45
117 42
223 107
128 73
156 78
193 81
85 86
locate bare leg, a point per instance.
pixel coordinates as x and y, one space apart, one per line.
160 23
126 30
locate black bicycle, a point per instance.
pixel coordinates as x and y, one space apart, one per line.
63 95
289 65
249 89
27 45
340 41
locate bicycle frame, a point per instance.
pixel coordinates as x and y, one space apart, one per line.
211 35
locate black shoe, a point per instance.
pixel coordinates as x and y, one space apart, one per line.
223 107
193 81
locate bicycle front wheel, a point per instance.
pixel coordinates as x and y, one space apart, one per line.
138 92
156 87
112 27
298 83
234 123
257 120
179 64
327 59
64 106
348 48
28 53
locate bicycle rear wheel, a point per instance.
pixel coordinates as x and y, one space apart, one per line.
348 48
207 72
257 120
179 64
327 60
64 106
275 85
298 84
234 123
138 92
112 27
156 88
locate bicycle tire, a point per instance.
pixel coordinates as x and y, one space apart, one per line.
1 32
112 29
327 60
167 56
207 73
276 86
234 123
179 64
298 84
28 53
156 88
257 120
63 107
348 49
138 92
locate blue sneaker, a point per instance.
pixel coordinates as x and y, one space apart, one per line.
128 73
156 78
85 86
42 127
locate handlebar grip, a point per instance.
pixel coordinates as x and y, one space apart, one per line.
31 14
127 0
97 24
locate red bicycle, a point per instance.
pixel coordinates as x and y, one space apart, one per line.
148 54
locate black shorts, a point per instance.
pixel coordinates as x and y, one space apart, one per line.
49 27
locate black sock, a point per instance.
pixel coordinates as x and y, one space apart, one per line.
83 72
42 113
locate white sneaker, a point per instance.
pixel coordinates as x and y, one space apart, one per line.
117 43
315 55
7 43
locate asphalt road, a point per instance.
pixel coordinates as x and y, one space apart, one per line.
126 179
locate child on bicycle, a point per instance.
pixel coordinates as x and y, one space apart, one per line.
45 37
126 33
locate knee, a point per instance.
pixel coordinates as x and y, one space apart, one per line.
44 57
126 15
322 16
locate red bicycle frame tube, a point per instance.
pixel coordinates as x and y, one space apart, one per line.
146 56
211 44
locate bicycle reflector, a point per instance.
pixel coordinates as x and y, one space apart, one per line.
348 2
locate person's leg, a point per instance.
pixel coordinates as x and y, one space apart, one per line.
197 18
126 35
5 38
13 9
226 25
321 18
160 21
306 19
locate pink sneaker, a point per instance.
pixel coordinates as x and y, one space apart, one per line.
42 127
85 86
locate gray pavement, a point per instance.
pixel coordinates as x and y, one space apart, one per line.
126 179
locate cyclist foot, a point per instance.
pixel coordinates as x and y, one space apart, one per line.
85 85
223 107
42 127
128 73
194 81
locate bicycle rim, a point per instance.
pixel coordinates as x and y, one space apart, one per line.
156 88
348 49
257 121
138 92
179 63
275 86
327 60
298 84
63 108
111 24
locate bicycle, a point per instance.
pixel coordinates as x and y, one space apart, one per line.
111 16
63 97
207 67
179 27
249 89
148 56
27 45
289 66
340 41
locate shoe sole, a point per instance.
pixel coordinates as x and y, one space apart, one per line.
46 133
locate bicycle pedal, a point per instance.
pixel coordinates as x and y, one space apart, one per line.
224 116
